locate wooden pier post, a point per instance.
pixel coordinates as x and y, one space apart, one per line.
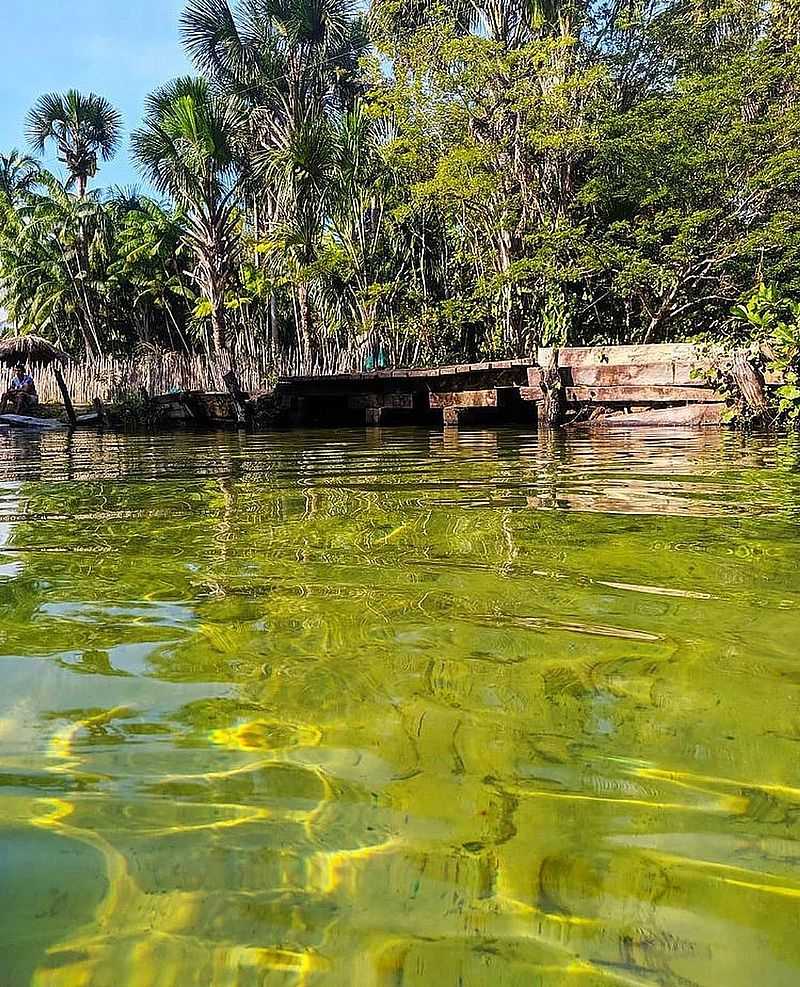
62 386
231 382
553 399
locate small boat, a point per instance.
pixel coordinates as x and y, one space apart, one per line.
25 421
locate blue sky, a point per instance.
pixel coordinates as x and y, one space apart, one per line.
120 50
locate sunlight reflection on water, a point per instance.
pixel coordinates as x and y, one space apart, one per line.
371 708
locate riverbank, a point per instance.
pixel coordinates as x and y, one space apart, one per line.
675 384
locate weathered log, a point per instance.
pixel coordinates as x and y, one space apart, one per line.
750 383
689 415
552 406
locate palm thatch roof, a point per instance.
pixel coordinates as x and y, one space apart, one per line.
30 349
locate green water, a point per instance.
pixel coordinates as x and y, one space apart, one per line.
371 710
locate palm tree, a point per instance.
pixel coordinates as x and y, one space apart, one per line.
18 174
190 147
294 64
152 254
81 127
54 262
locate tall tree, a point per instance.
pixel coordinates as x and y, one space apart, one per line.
295 65
82 126
190 146
18 175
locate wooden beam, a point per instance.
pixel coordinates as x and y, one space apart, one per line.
612 374
582 356
535 376
531 393
687 415
402 400
641 394
464 399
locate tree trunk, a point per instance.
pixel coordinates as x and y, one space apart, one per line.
552 406
305 327
750 384
239 401
219 330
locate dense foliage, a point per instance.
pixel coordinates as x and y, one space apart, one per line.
423 181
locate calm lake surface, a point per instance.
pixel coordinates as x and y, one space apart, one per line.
370 710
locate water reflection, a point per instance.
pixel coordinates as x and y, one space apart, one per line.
397 707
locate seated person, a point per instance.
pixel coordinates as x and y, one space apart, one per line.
21 393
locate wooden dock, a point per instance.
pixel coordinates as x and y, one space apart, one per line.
612 385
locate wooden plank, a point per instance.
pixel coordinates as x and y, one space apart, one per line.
581 356
612 375
531 393
640 394
464 399
692 415
403 400
534 376
362 400
694 372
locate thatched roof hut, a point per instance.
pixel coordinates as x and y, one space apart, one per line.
33 349
30 349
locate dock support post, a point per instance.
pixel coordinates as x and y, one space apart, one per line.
373 416
100 411
231 382
552 406
62 386
450 416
